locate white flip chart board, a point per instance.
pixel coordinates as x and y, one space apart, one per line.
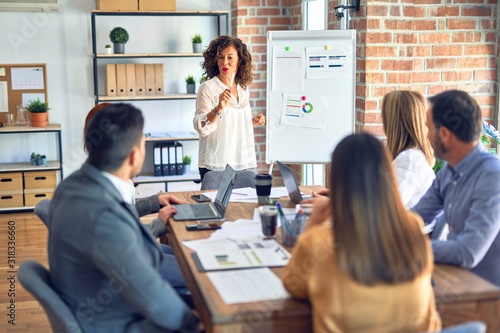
310 93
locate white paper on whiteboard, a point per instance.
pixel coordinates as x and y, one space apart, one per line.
4 97
27 98
304 111
324 64
27 78
288 70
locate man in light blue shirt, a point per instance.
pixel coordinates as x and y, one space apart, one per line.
467 188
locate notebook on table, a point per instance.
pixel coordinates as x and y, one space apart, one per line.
212 210
290 183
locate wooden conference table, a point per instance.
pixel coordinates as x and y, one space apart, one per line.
460 295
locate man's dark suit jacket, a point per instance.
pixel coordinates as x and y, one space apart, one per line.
104 263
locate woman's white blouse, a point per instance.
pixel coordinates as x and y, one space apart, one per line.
229 140
414 175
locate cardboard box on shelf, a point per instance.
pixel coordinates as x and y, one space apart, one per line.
125 5
146 5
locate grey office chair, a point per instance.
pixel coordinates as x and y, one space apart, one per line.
36 279
212 179
42 211
470 327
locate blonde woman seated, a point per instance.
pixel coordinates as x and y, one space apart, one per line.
369 270
403 118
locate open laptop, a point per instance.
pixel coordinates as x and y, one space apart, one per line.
212 210
290 183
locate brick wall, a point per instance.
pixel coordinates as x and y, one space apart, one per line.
425 46
401 44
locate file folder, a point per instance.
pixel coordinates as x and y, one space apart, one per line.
130 71
157 160
171 159
150 79
178 159
159 79
140 80
121 80
110 80
165 167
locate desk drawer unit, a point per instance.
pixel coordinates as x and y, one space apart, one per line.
32 197
10 199
40 180
12 181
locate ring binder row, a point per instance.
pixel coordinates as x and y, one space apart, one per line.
134 79
168 159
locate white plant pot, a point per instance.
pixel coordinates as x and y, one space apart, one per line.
108 50
196 47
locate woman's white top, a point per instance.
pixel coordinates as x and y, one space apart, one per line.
414 176
229 140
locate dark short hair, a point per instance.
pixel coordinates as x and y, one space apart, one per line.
111 134
458 112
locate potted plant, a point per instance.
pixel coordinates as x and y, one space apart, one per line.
190 84
186 160
196 40
108 49
44 159
119 37
33 159
38 110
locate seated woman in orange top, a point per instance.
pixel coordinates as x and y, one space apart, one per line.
369 268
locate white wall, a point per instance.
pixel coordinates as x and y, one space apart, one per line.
63 42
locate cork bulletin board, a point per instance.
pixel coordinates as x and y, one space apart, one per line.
20 83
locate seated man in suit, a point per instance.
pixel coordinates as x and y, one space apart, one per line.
466 189
103 262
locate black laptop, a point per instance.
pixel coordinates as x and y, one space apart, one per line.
290 183
213 210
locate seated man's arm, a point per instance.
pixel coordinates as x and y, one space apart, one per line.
118 251
431 204
147 205
481 226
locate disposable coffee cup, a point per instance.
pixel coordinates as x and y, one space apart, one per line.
269 220
263 183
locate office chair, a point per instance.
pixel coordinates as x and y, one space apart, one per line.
36 279
212 179
470 327
42 211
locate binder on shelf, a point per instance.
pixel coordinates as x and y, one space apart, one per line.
130 71
150 79
165 167
121 80
159 79
140 80
178 159
157 160
171 159
110 80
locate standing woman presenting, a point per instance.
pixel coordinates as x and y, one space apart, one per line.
223 116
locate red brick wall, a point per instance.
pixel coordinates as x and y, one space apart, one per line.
425 46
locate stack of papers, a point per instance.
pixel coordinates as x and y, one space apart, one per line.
248 285
223 254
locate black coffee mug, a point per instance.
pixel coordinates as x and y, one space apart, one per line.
263 183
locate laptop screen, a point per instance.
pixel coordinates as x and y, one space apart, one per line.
290 183
225 186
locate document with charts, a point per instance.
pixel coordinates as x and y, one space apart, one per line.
257 252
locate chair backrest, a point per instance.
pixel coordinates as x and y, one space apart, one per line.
42 211
470 327
244 178
36 279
